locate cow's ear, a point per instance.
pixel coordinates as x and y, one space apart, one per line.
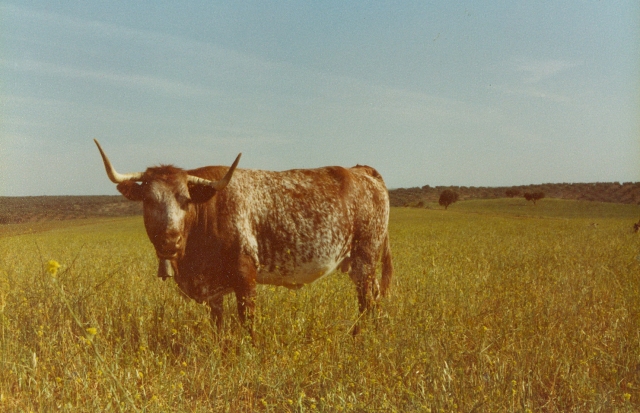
201 193
130 190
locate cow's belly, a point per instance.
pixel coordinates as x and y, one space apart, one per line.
298 276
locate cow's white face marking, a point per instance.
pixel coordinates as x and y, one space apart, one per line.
165 210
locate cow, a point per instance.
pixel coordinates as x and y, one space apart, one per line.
217 235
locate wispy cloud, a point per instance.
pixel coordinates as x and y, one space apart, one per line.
538 70
211 67
531 79
226 74
537 93
152 83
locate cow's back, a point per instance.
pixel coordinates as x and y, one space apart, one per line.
298 225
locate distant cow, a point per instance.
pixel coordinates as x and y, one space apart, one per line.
216 235
636 226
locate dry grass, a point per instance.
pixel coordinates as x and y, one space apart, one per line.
491 310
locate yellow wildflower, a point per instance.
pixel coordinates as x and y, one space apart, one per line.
91 331
52 267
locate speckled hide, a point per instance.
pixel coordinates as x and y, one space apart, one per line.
281 228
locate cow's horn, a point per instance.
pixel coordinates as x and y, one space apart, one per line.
115 177
217 185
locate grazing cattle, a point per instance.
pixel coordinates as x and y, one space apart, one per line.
216 235
636 226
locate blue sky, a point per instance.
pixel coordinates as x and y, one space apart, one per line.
480 93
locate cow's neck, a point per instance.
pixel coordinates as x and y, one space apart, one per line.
201 230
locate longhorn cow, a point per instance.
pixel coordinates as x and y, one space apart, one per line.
216 235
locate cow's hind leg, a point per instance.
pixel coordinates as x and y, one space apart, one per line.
366 286
363 274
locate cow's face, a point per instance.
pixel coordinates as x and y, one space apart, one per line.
168 195
168 205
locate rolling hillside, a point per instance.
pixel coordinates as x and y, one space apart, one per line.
15 210
626 193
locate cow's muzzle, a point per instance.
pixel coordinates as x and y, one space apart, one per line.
169 246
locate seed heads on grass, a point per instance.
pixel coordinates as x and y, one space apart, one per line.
89 333
529 314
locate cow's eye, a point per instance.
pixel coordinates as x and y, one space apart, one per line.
183 201
150 200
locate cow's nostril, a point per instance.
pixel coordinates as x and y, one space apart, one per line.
171 242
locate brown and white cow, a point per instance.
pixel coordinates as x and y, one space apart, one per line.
216 235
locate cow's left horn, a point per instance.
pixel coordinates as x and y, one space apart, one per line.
115 177
217 185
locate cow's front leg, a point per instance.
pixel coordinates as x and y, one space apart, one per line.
246 308
216 305
246 293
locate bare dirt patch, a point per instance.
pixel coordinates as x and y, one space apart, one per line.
16 210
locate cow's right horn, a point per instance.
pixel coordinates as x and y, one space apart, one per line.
217 185
116 177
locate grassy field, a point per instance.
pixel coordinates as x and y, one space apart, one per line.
496 306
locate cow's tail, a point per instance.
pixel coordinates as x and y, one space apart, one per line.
387 267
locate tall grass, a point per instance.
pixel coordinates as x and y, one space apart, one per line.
492 309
